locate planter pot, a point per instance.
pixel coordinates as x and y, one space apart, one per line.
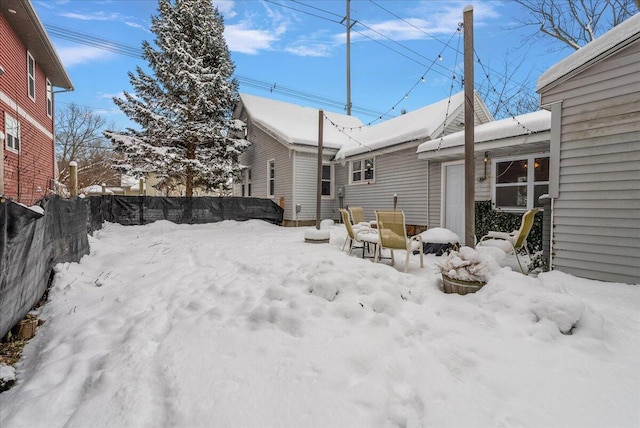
452 285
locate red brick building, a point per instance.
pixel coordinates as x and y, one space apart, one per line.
29 71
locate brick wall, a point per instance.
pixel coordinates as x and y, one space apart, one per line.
27 174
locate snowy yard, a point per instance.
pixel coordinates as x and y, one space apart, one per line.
246 325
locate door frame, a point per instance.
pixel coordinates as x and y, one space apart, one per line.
443 190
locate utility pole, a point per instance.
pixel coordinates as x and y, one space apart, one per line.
469 156
348 23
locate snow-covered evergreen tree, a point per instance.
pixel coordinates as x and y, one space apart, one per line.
185 107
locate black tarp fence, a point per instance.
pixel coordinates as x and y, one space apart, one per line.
138 210
31 244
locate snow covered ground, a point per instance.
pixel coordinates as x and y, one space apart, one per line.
246 325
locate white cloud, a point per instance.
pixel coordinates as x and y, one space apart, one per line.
436 22
316 50
225 7
136 25
246 40
110 96
74 55
97 16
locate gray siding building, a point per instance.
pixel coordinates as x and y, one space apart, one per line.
594 98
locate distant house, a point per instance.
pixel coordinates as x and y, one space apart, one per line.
380 161
282 161
511 166
594 183
29 70
363 165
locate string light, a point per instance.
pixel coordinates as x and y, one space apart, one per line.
513 116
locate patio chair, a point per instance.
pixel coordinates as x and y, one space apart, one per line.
361 234
517 239
393 236
357 215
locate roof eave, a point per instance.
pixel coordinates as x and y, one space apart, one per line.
588 64
28 27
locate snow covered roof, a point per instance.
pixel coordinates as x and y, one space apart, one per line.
615 39
95 188
418 124
524 124
297 125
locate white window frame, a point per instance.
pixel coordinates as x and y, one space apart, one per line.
271 180
529 184
362 170
246 183
49 99
31 76
12 133
331 180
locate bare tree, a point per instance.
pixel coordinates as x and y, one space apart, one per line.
576 22
504 91
79 138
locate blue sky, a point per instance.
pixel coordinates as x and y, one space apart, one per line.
295 51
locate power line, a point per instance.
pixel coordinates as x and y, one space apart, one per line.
119 48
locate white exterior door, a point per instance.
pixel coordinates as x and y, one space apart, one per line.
453 198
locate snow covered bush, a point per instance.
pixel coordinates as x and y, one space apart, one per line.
467 264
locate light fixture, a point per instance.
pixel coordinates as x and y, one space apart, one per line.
486 160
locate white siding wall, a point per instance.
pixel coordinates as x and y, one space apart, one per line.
401 173
263 148
597 213
306 185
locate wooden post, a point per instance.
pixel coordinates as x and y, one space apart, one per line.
141 187
469 158
319 193
73 178
104 188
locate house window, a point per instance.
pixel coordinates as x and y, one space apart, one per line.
362 170
271 174
31 76
246 183
519 182
12 133
327 180
49 98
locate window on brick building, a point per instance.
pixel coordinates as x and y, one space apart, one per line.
12 133
49 98
31 76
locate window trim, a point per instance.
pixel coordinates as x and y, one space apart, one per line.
530 183
332 181
246 182
362 171
12 148
270 179
31 79
49 98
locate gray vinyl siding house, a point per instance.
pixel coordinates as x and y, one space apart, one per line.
392 145
524 136
287 135
594 99
399 173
